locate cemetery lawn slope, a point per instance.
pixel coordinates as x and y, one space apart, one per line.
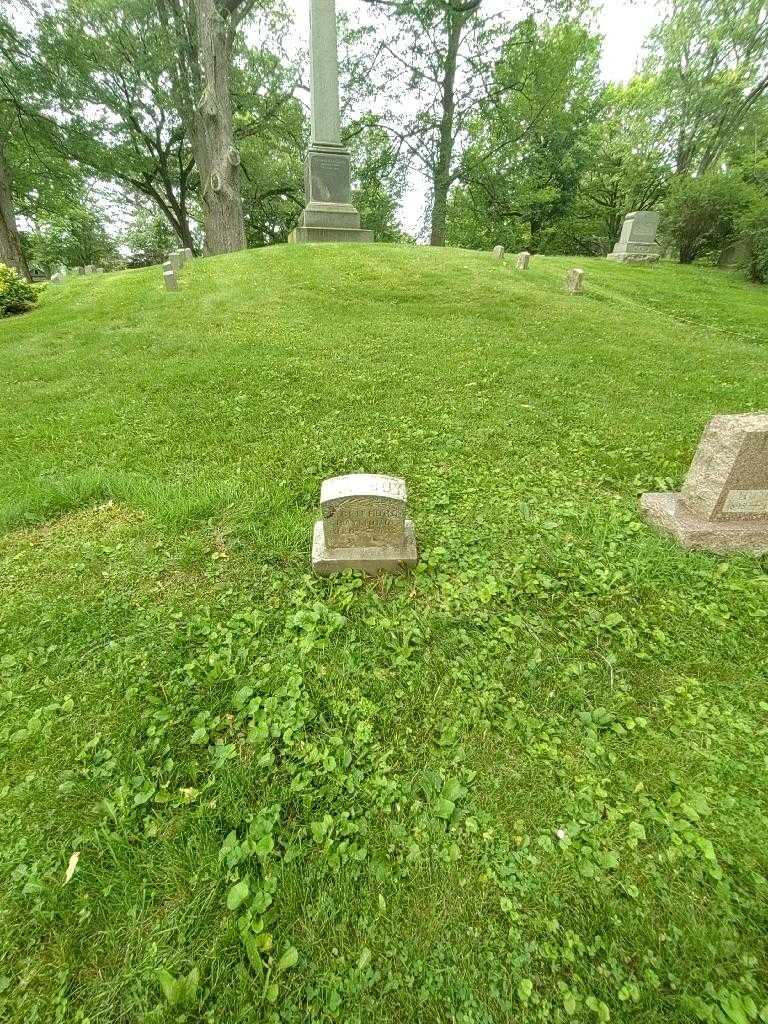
526 782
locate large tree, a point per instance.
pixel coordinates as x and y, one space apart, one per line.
528 142
36 180
710 60
108 66
203 35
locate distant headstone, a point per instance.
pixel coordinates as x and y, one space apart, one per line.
575 281
637 243
523 260
98 270
498 252
188 254
171 284
723 504
736 254
57 278
79 270
176 260
89 269
363 526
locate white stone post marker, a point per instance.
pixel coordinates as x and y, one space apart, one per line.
575 281
363 526
329 215
523 260
169 278
498 252
723 505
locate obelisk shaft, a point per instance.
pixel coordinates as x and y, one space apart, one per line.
324 74
329 215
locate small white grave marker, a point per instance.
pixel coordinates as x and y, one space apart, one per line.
363 526
498 252
523 260
723 505
171 284
575 281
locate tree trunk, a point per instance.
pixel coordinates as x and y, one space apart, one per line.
441 178
10 243
212 136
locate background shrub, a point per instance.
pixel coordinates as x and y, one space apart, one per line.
701 214
16 294
754 229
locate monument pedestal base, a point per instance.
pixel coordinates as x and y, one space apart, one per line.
636 254
329 215
668 512
372 561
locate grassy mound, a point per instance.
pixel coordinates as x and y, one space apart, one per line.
526 782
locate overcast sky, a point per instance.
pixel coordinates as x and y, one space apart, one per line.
624 25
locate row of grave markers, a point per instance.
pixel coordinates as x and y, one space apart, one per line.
722 507
173 265
64 272
574 280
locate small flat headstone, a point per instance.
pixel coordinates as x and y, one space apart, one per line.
575 281
187 254
171 284
364 526
498 252
723 504
523 260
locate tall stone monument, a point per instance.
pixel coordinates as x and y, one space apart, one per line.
638 239
723 504
329 215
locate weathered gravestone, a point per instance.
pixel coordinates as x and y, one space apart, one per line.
637 243
498 252
57 278
329 215
575 281
176 260
363 526
89 269
723 504
187 254
169 278
523 260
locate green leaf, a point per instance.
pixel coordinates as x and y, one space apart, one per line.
289 959
199 737
569 1003
237 894
252 949
524 990
271 992
444 809
264 846
169 985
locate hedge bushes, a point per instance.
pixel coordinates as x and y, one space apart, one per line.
16 295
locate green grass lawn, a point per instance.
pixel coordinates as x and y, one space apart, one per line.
525 783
